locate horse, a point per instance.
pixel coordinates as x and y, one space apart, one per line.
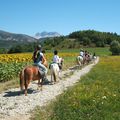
80 61
88 58
55 70
30 73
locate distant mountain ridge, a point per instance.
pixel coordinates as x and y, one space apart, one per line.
7 36
46 34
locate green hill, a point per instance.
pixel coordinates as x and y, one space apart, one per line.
86 38
7 39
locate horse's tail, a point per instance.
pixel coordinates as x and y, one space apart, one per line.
53 72
22 79
78 60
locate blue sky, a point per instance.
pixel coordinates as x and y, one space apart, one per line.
63 16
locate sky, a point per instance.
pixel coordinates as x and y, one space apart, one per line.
62 16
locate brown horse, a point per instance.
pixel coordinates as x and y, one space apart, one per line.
28 74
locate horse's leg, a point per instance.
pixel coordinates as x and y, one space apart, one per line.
27 82
26 86
84 61
21 80
51 77
54 77
40 82
59 74
80 62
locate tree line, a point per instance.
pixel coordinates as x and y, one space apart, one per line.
94 38
77 39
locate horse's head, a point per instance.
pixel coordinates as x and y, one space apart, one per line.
61 60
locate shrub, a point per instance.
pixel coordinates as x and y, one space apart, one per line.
115 47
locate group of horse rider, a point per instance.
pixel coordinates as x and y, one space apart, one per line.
39 59
86 56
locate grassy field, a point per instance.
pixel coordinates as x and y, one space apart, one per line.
11 64
99 51
95 97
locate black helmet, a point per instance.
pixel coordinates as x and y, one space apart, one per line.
39 47
55 52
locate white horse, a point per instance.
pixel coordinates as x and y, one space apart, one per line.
79 60
55 70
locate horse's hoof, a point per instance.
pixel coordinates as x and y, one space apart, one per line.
57 82
60 78
38 88
53 83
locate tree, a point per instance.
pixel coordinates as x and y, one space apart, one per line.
86 41
115 47
3 50
16 49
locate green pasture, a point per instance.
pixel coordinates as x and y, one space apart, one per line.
95 97
100 51
10 71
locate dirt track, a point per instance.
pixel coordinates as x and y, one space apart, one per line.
14 106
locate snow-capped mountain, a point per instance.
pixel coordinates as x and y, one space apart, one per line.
46 34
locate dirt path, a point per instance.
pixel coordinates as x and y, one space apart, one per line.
14 106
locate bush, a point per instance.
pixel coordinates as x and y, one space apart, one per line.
115 47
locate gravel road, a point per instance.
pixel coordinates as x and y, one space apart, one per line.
14 105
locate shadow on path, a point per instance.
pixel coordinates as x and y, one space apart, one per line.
17 93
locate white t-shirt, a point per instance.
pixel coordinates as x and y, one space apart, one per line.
56 59
81 53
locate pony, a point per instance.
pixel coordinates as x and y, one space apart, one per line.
30 73
55 70
80 61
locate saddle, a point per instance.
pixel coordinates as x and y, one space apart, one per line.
59 65
41 72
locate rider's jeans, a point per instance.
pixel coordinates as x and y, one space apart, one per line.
42 66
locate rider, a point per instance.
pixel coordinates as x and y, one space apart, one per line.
34 57
82 53
94 56
56 59
39 60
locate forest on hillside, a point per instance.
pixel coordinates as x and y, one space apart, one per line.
77 39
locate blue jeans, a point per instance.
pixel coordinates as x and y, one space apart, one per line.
40 65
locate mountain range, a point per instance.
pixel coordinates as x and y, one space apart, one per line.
46 35
7 36
8 39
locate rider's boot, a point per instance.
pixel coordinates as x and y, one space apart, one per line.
45 78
